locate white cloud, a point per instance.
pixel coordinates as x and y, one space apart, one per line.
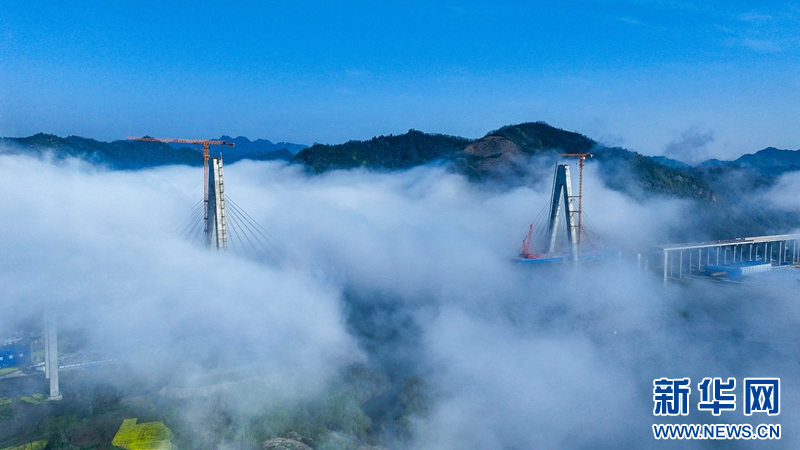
514 357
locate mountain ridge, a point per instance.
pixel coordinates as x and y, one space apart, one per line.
390 152
503 155
120 155
509 157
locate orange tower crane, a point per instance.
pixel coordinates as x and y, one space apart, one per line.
204 142
582 157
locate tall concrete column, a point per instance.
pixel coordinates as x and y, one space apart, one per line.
51 353
216 224
562 191
46 339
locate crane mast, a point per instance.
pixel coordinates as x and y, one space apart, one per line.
582 157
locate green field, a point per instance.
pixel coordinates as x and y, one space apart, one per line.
8 370
35 399
146 436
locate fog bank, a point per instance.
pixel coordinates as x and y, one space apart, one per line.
409 273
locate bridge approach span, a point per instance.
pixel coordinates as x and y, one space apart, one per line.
677 260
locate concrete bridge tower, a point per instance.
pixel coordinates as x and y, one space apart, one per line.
562 191
216 227
216 232
51 353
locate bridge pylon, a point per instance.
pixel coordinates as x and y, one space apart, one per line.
216 229
216 226
562 190
51 353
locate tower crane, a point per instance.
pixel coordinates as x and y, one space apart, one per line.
204 142
216 225
562 197
582 157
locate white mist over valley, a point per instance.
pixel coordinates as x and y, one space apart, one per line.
398 290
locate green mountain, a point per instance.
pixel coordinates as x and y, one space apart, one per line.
749 173
381 153
524 154
512 155
535 137
506 154
124 155
133 155
770 160
641 176
261 145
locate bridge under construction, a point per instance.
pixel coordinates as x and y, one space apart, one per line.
728 258
723 260
216 227
545 247
217 221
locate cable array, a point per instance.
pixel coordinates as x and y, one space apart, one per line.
246 237
541 230
541 225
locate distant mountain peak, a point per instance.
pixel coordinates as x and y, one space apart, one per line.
382 152
534 137
245 147
770 159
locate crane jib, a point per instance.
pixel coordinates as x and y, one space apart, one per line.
203 142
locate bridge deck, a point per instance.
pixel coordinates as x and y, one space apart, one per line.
693 258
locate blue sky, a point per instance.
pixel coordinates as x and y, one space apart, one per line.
690 79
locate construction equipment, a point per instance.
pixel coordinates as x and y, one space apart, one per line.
546 240
582 157
215 228
526 245
204 142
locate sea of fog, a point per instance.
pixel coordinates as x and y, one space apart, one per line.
409 273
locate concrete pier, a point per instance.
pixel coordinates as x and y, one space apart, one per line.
51 353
